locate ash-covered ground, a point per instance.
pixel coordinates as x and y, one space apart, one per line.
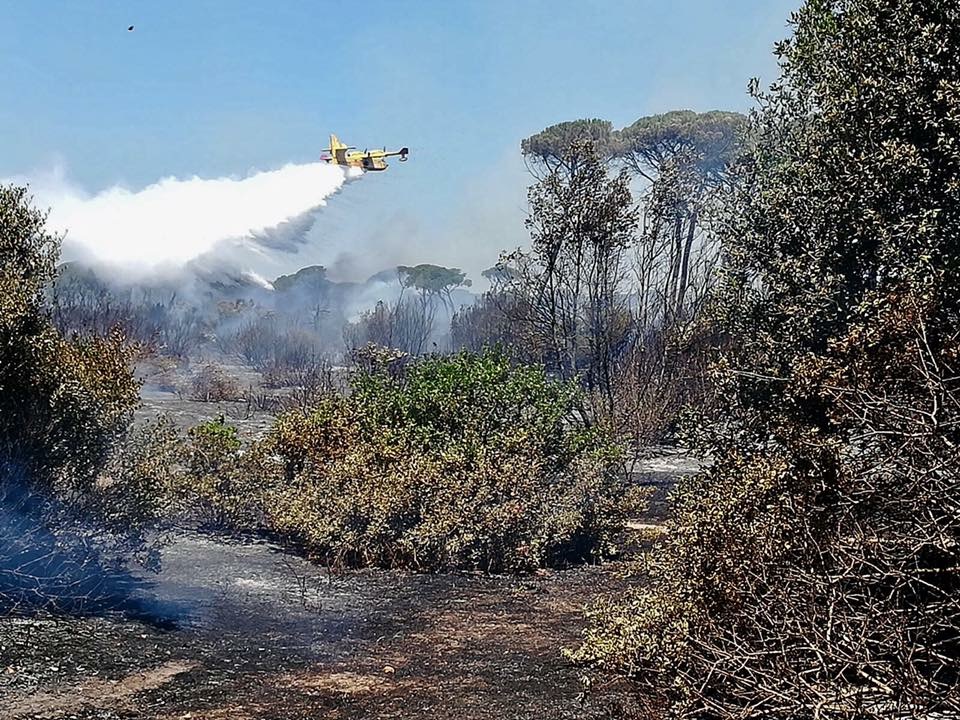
166 391
244 629
259 633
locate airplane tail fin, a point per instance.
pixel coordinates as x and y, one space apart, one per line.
336 151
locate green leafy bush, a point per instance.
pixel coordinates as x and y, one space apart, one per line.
456 462
63 401
65 406
220 485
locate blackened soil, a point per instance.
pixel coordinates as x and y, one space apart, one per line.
243 630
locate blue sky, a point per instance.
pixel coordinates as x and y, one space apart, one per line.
212 88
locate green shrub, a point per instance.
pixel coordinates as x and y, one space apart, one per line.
220 485
65 406
454 462
64 402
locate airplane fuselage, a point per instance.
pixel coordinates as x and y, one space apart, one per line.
370 160
361 160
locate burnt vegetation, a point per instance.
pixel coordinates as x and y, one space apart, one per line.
779 293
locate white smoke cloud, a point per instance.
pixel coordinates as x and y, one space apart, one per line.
174 222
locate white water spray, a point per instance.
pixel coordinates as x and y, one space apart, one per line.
175 221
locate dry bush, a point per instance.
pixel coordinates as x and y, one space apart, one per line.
311 384
219 486
133 490
821 584
254 341
660 380
460 462
213 384
266 343
261 400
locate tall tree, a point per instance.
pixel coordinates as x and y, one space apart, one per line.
433 283
64 405
311 287
62 401
408 323
564 146
683 157
678 162
568 290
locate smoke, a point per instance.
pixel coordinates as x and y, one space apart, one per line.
54 562
175 222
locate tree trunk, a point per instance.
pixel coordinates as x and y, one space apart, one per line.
685 263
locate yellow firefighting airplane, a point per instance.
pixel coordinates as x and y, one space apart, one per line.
341 154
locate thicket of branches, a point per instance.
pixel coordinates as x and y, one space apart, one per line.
813 571
82 304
